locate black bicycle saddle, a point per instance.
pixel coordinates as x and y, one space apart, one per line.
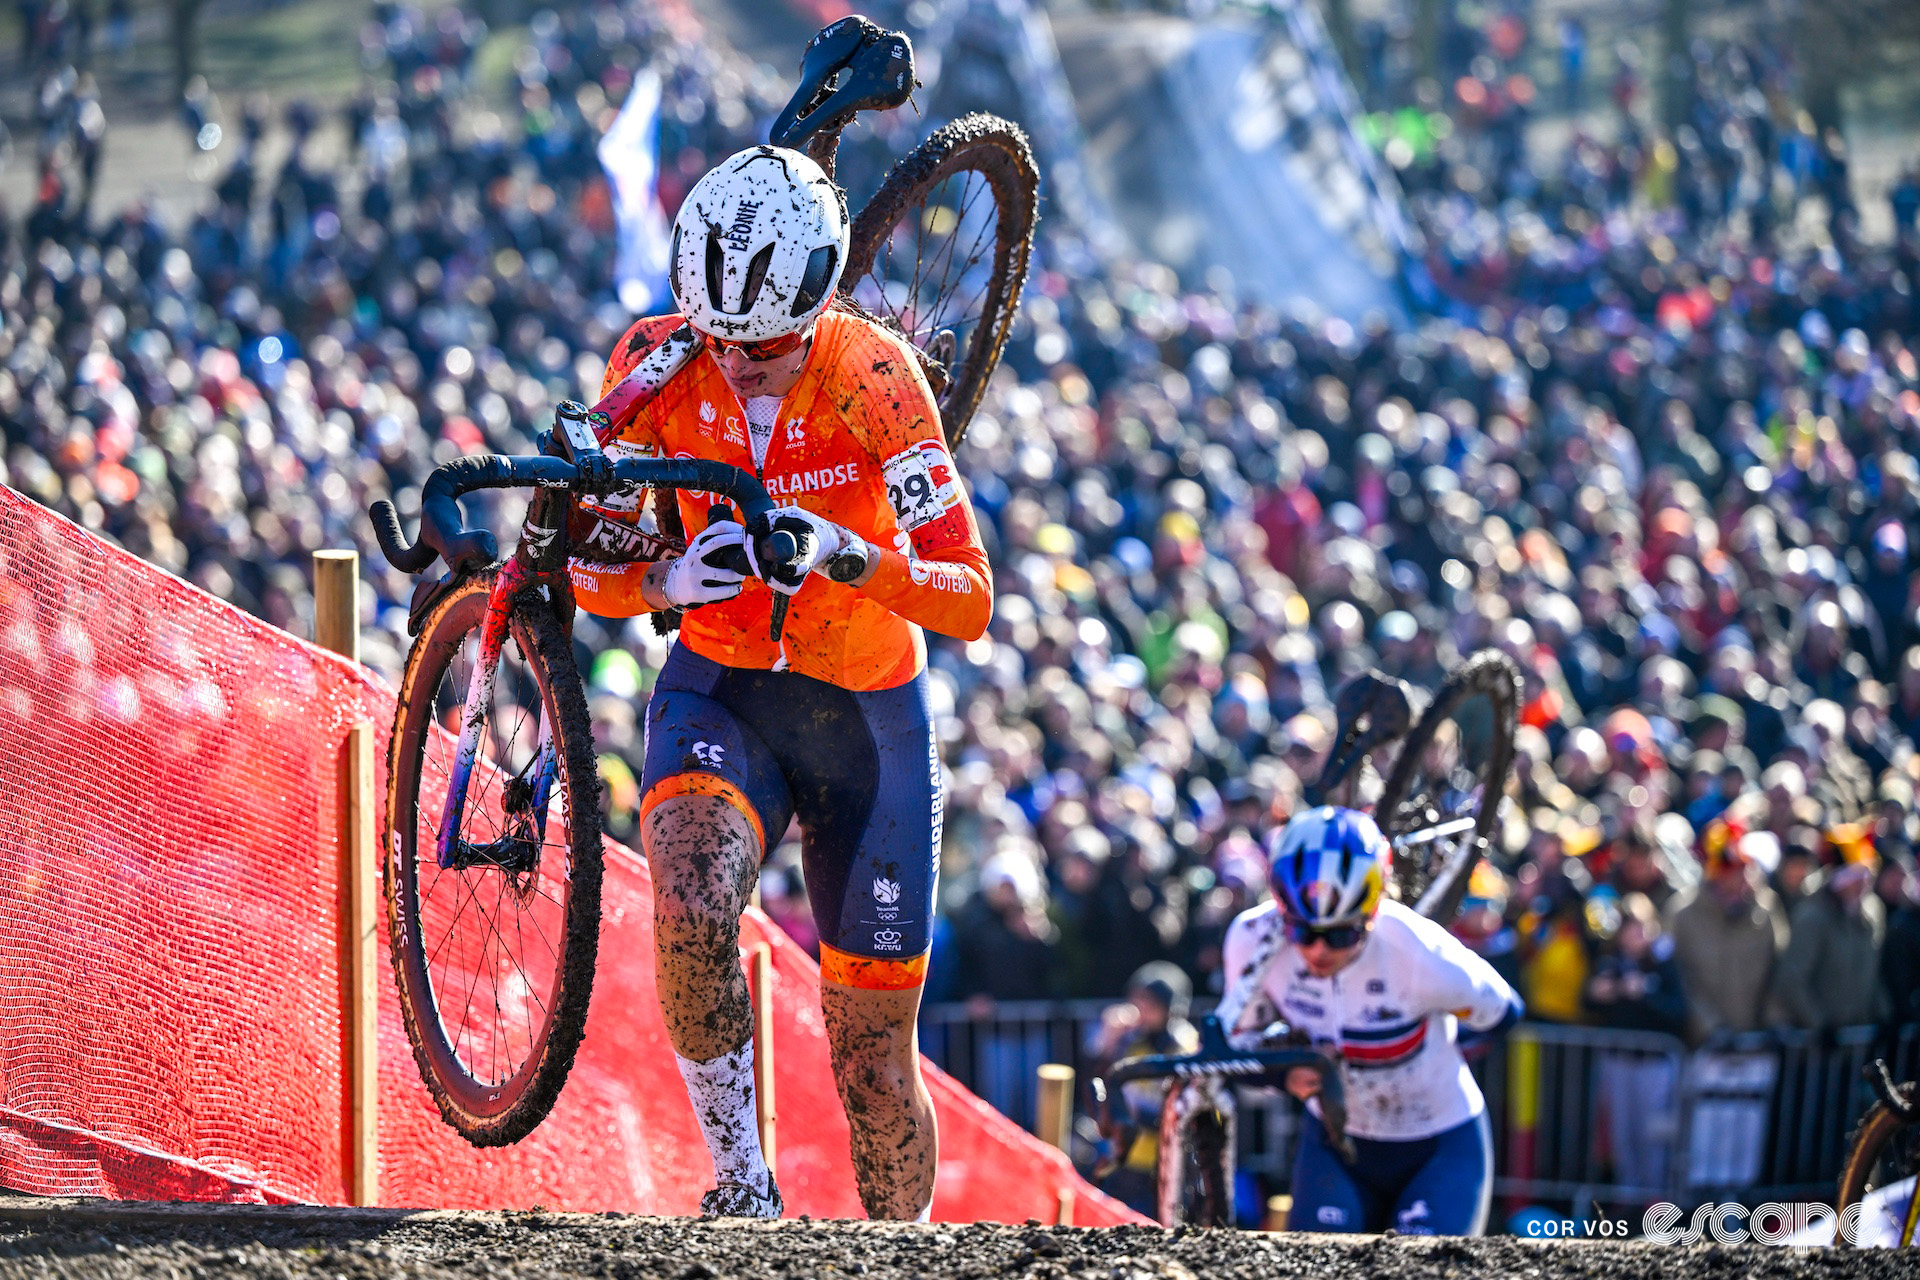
1386 707
878 76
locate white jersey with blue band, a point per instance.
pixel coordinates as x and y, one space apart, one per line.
1392 1016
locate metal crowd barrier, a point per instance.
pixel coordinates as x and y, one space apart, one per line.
1582 1117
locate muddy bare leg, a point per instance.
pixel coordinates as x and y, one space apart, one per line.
876 1064
704 856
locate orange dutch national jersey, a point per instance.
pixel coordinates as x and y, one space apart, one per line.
857 441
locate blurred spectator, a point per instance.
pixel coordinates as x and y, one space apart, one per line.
1637 868
1152 1019
1727 936
1003 945
1836 935
1554 972
1004 940
1636 982
1799 861
1482 923
1899 891
1636 986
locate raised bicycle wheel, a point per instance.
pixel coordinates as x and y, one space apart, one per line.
940 253
1882 1151
494 955
1196 1157
1443 796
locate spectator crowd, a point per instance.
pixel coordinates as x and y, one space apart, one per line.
1656 440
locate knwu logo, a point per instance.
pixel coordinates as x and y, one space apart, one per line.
887 939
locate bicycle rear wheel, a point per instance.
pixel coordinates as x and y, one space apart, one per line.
1883 1151
1196 1157
1443 796
494 954
940 254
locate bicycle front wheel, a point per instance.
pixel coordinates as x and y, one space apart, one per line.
1443 797
940 254
1883 1152
1196 1158
493 941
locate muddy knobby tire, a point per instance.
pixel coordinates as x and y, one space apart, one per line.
1880 1129
500 1113
1195 1174
1489 674
998 151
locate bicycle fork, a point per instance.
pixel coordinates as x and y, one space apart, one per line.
1185 1101
526 795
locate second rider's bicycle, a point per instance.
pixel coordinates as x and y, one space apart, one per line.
1883 1155
493 839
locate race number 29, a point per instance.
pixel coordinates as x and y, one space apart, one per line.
925 495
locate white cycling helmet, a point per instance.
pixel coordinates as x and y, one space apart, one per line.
758 246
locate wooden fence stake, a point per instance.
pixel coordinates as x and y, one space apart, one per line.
362 1011
762 960
336 626
336 602
1053 1117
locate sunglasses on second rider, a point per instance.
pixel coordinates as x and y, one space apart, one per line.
1337 937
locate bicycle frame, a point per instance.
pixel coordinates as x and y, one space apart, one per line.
539 562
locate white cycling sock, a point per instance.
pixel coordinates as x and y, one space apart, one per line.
723 1101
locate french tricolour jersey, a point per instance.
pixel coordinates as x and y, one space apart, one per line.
1391 1016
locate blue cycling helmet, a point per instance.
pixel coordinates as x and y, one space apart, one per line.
1329 866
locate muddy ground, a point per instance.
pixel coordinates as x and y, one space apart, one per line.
49 1238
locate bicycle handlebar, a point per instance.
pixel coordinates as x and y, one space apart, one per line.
1217 1057
443 533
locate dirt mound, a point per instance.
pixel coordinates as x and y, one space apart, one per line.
68 1238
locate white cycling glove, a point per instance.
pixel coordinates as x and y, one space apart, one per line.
702 575
820 541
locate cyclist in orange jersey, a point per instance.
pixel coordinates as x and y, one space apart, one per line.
831 724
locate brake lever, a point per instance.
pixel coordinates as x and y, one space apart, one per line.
771 546
1114 1119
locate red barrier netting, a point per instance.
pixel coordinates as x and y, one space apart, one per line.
171 1015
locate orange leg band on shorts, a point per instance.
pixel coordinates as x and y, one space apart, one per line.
703 784
870 973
